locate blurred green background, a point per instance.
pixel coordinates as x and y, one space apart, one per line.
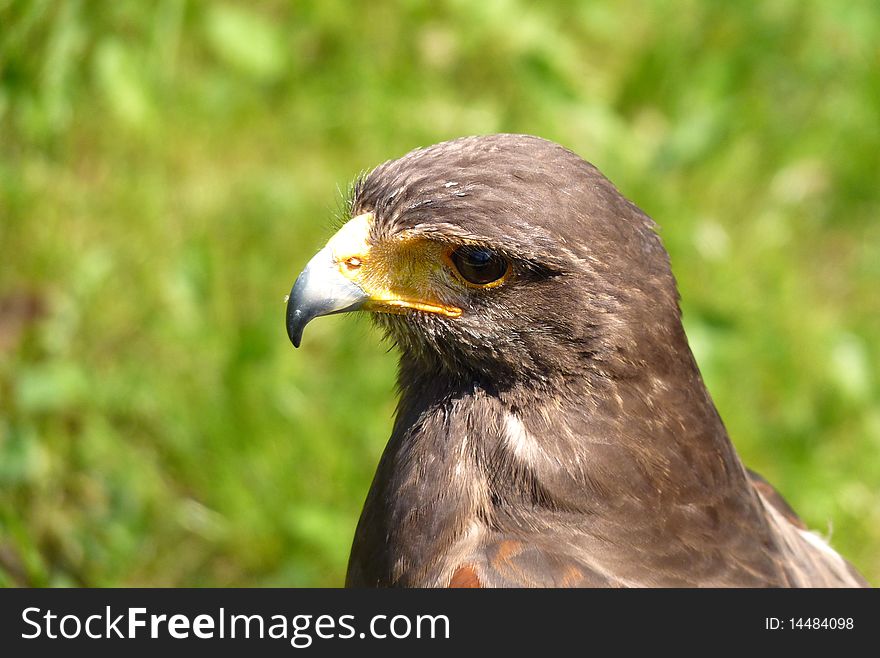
167 167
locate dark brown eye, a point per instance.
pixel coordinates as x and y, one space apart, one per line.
479 266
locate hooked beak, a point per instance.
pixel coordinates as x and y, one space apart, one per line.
349 274
320 289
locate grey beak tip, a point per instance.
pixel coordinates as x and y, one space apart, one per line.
295 325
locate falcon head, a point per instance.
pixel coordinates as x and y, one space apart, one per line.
497 258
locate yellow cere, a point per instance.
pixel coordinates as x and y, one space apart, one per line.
397 275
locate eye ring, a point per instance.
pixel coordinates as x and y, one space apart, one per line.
479 267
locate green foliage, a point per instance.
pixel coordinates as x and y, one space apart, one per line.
167 167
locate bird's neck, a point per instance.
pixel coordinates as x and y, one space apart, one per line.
466 453
645 426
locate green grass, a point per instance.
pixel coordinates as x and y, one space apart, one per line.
166 168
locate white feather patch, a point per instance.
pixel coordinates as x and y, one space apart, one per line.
818 542
518 439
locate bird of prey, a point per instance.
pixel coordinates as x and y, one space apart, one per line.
553 429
